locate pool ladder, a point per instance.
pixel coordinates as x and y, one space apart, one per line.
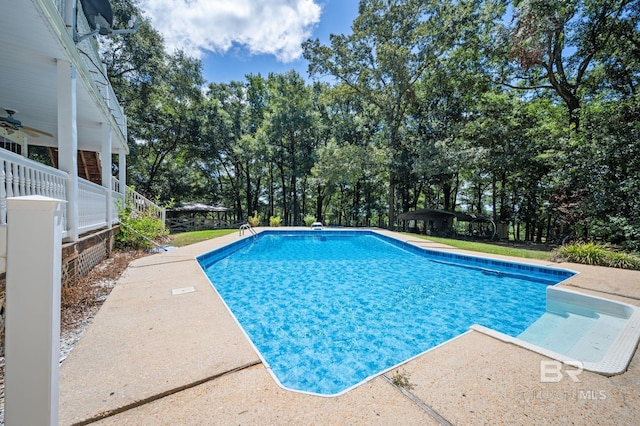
248 227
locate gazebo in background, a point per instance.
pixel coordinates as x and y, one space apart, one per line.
441 223
194 216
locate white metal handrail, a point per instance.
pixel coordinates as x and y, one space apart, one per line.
248 227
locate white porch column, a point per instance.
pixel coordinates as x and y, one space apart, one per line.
122 170
32 328
105 165
68 140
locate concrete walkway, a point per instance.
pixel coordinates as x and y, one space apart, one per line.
152 357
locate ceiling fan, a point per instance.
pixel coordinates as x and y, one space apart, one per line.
12 124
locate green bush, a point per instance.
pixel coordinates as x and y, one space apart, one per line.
309 219
139 230
275 221
254 220
597 254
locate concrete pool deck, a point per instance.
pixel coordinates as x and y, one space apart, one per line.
163 349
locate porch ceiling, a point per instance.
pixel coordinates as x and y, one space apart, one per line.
29 48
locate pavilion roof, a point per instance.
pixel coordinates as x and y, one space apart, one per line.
198 207
430 214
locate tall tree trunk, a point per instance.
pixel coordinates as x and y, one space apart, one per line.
249 198
271 191
446 193
294 200
256 194
319 201
392 200
285 205
303 196
494 196
503 197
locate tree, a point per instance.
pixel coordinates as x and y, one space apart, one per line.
164 121
161 95
290 127
392 44
557 44
380 61
603 168
132 60
224 114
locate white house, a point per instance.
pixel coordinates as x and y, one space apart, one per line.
54 93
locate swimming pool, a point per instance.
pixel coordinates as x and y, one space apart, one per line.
327 310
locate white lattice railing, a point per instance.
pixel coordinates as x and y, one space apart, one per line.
115 184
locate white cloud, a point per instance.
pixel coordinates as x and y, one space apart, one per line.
275 27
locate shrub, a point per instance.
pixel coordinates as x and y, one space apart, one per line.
309 219
254 220
597 254
139 230
586 253
274 221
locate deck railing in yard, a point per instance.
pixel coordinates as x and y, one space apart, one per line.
20 177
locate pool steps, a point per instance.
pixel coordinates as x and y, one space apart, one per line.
599 333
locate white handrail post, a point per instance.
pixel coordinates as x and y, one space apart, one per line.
32 330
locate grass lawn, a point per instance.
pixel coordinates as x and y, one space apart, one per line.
499 249
186 238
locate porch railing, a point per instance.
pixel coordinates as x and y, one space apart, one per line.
92 202
141 204
20 176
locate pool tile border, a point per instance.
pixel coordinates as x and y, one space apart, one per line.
552 273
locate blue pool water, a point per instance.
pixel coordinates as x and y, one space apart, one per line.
328 310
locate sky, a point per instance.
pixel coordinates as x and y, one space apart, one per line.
238 37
